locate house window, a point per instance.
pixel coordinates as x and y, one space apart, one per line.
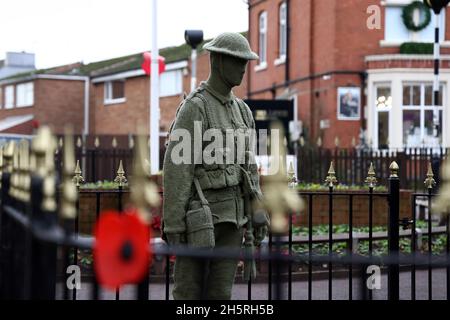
9 97
263 39
383 105
422 122
114 91
396 32
1 97
25 94
171 83
282 31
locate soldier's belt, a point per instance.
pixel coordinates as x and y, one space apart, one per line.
220 178
215 195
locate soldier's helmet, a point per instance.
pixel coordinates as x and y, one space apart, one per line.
233 44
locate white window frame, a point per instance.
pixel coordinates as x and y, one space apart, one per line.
282 34
1 97
108 92
422 108
388 110
413 36
25 89
262 41
9 97
178 83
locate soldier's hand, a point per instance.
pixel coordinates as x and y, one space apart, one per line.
175 239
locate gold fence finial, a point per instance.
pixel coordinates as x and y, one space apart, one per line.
43 152
131 142
302 141
292 180
371 180
114 142
331 179
79 143
14 191
144 192
120 178
24 171
8 152
394 168
336 142
353 142
77 178
69 191
429 181
278 199
97 142
319 142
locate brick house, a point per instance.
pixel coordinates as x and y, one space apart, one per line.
54 97
344 77
116 93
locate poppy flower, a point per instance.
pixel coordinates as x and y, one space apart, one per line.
121 251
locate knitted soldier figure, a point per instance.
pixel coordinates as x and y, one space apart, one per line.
217 187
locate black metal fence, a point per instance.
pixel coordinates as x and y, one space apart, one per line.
36 248
351 164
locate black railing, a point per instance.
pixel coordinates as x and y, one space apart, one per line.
351 164
36 249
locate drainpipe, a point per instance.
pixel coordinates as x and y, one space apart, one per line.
288 33
249 39
86 106
86 122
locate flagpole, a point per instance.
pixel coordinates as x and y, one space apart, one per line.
154 95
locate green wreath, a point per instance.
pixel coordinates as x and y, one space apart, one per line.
408 14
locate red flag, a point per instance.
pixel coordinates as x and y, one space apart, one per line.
147 63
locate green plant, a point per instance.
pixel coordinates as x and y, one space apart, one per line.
416 48
340 187
105 184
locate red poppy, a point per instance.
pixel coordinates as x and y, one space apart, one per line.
121 251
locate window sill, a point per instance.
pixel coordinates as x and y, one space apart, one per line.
390 44
260 67
115 101
280 60
24 106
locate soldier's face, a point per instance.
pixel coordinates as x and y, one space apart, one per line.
234 69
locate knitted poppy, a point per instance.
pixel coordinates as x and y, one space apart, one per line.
121 252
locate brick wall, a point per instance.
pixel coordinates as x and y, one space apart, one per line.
56 103
325 36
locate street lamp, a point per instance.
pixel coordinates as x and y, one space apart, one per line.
193 38
436 6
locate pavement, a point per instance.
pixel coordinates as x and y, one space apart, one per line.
340 289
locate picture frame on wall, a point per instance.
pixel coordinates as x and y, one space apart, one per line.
349 103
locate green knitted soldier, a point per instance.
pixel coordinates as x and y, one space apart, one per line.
204 203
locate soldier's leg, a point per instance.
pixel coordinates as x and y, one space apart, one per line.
222 271
188 277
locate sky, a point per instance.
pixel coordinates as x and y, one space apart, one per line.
66 31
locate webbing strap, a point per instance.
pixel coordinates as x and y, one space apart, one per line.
200 192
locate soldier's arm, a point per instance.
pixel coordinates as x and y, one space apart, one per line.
253 165
178 177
